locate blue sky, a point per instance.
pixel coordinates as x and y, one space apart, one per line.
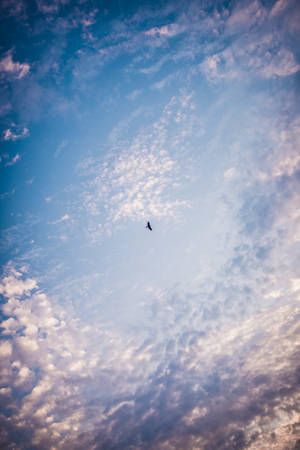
185 114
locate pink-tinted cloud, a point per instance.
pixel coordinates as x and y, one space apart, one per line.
17 69
10 135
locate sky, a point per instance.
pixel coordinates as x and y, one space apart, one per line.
187 114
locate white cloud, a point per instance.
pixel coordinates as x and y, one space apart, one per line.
138 180
70 386
61 146
65 354
134 94
62 219
260 51
12 285
256 57
50 6
4 109
10 135
285 158
200 351
281 64
245 17
169 30
13 7
230 173
14 160
155 67
279 7
211 69
19 70
30 181
5 349
164 82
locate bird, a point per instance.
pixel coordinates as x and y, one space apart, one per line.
148 226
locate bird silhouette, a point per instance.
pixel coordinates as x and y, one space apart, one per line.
148 226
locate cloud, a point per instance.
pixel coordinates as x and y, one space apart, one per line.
285 160
12 285
236 62
139 180
8 66
62 219
50 355
30 181
61 146
14 160
169 30
89 19
279 7
257 52
211 67
6 194
4 109
282 64
155 67
165 81
10 161
209 378
198 368
133 188
245 16
14 8
50 7
10 135
30 349
230 173
134 94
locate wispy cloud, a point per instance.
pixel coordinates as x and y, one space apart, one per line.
8 66
260 58
134 94
12 135
14 160
279 7
50 7
155 67
169 30
14 8
259 52
62 219
61 146
7 194
165 81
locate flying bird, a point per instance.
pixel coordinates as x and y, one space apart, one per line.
148 226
